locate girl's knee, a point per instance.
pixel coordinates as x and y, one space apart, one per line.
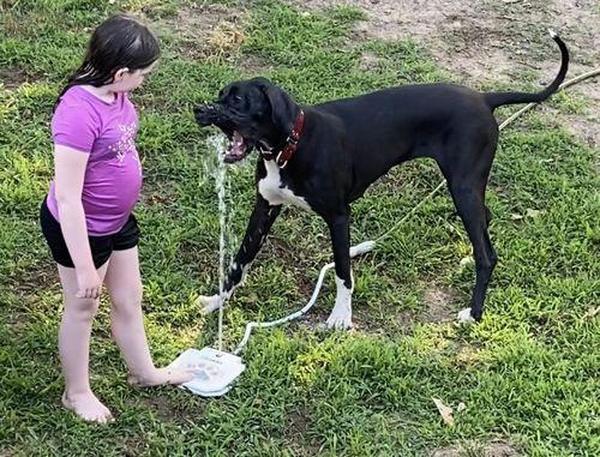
82 308
126 300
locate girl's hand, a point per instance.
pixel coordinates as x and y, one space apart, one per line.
89 283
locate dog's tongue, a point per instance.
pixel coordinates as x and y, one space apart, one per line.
237 149
237 146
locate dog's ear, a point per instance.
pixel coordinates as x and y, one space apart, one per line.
283 107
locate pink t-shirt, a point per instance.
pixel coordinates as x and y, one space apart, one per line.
113 177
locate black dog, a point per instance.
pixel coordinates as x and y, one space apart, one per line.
324 157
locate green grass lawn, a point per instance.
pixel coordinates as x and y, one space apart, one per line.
528 374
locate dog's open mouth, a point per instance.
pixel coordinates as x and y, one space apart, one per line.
238 148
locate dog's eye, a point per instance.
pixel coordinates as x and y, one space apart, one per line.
237 98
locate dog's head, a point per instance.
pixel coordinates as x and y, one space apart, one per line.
253 114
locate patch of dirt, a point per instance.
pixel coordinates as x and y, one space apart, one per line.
133 446
369 61
297 423
17 322
296 432
166 410
584 127
440 304
486 39
11 78
316 319
493 449
205 30
159 197
255 66
42 276
485 42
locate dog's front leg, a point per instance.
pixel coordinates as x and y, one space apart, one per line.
260 223
341 316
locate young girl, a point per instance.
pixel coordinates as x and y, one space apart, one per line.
87 215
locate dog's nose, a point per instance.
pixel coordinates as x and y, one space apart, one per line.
206 114
205 109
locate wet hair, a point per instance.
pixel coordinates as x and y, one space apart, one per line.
119 42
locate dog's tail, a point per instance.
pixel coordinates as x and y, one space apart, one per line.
495 99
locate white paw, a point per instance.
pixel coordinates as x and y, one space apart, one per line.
209 304
464 316
340 318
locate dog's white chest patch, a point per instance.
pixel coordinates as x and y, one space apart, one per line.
272 190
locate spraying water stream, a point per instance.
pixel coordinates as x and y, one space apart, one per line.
218 144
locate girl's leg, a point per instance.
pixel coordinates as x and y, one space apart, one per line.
125 288
74 348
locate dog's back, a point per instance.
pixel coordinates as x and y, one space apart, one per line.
387 127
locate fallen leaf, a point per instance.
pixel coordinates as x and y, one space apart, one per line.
516 217
445 412
468 260
532 212
461 407
592 312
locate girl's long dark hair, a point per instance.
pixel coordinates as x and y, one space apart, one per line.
119 42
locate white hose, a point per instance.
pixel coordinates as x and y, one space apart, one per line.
359 249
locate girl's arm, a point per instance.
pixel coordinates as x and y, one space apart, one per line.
70 165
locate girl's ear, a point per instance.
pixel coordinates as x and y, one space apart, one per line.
120 74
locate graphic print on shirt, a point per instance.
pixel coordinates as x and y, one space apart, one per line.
126 144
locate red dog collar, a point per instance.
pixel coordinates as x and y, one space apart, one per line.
289 149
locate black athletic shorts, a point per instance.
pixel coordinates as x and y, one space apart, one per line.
101 246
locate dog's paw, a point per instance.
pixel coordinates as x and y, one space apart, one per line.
464 316
340 319
209 304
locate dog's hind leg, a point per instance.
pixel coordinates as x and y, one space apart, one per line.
341 315
469 203
467 182
260 223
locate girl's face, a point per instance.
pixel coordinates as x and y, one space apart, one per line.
127 80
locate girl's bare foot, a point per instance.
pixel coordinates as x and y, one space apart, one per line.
88 407
161 376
